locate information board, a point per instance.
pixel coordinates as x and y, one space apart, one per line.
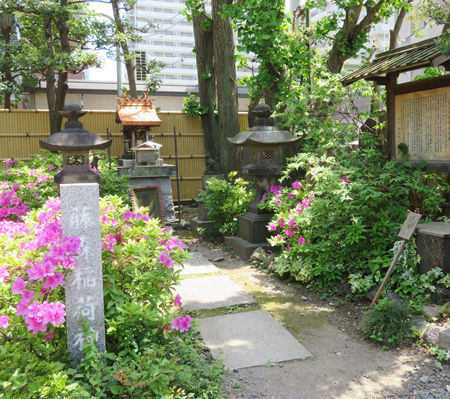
422 123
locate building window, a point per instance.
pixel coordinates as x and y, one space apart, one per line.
141 62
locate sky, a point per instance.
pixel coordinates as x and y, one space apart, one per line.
108 72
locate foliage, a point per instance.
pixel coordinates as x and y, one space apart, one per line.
36 178
225 200
148 355
192 107
430 72
153 81
388 323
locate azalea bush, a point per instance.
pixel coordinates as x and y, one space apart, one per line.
340 227
143 316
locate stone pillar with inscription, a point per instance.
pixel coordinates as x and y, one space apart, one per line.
81 217
84 287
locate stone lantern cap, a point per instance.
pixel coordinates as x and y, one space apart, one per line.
73 137
147 146
263 133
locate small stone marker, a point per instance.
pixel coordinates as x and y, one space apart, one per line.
84 287
406 232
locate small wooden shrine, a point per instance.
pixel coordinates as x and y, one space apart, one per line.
137 117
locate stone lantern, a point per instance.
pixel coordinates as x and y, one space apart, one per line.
74 142
260 148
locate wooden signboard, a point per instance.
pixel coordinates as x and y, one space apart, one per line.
422 123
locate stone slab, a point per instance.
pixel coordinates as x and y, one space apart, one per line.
211 292
243 248
250 339
437 229
198 264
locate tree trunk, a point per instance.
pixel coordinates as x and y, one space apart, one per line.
6 72
129 59
207 91
225 71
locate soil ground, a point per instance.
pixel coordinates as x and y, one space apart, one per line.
343 366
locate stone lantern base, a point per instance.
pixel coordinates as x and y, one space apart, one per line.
252 234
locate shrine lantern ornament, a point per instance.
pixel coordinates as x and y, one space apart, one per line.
74 142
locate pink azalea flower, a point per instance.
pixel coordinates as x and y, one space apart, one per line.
4 274
275 189
299 208
272 226
279 237
35 195
279 202
10 162
18 286
51 167
345 179
290 195
289 233
186 323
30 185
177 301
311 196
288 247
291 223
49 336
305 203
297 185
4 321
281 222
301 240
32 172
54 281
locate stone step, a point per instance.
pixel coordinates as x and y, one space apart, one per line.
211 292
198 264
250 339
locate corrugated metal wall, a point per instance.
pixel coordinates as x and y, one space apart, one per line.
21 130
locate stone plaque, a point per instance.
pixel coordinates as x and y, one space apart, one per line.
84 286
407 230
422 123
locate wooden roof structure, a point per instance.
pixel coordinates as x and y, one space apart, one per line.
137 112
418 55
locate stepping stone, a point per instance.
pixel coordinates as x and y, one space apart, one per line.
211 292
250 339
198 264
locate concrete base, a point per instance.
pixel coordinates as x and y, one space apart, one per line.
250 339
211 293
196 223
243 248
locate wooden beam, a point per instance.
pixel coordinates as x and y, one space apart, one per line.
390 119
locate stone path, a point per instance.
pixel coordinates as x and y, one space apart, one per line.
244 339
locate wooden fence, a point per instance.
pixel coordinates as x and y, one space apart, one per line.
21 130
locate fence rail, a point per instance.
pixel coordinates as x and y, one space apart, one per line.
21 130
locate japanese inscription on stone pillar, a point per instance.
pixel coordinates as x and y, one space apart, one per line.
422 122
84 286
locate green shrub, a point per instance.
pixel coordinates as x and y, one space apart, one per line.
225 200
192 107
388 323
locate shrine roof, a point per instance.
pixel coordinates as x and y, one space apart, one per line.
402 59
137 112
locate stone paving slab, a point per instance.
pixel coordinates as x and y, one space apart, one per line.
250 339
211 292
198 264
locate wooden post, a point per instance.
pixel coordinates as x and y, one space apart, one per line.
406 232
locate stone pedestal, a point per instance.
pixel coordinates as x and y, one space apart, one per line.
84 286
252 233
142 176
433 246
